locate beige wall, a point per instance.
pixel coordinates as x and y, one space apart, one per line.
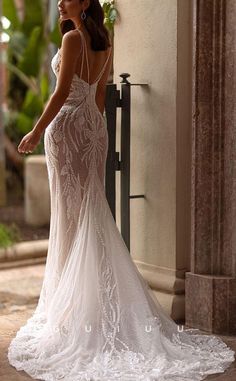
152 43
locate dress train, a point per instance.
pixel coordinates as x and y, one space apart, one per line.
97 319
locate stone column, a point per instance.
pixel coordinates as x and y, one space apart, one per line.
211 282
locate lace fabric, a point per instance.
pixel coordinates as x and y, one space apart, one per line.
97 318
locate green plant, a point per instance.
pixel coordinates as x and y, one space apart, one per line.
8 235
29 85
29 40
110 13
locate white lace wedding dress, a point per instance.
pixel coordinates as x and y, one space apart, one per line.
97 319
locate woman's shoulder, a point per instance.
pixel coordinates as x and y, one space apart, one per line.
72 38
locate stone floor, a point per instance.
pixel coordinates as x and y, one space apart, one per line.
19 291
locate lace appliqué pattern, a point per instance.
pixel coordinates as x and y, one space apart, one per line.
90 278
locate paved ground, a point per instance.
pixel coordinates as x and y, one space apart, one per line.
19 290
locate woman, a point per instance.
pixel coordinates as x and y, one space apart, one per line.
96 318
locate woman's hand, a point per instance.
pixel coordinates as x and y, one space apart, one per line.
29 142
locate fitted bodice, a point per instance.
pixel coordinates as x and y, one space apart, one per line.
79 89
112 328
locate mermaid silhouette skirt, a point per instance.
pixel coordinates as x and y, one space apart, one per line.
97 319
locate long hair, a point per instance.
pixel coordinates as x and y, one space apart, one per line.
94 23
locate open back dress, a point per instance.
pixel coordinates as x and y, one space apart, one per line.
97 319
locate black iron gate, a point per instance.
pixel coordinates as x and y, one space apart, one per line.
119 161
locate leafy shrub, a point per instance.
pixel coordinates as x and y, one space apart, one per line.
8 235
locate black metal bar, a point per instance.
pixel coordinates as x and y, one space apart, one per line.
111 163
125 161
137 196
114 163
117 168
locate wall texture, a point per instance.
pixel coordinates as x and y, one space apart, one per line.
152 43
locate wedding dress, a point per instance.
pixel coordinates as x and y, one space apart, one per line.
97 318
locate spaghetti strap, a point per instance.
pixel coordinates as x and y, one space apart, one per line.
85 243
103 69
82 63
84 50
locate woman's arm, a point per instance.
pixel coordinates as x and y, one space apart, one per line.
71 45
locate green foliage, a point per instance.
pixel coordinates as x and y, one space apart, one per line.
110 13
29 39
28 89
55 36
34 15
18 124
9 11
31 59
8 235
44 87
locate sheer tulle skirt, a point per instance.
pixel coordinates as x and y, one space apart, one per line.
97 318
103 323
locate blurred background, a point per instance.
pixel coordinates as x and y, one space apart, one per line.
29 38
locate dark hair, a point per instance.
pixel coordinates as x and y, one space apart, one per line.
94 23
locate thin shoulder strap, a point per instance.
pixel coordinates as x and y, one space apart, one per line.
104 66
84 50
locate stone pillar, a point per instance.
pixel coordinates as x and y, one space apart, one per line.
211 282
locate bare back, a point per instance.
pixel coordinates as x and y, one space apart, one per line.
96 60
